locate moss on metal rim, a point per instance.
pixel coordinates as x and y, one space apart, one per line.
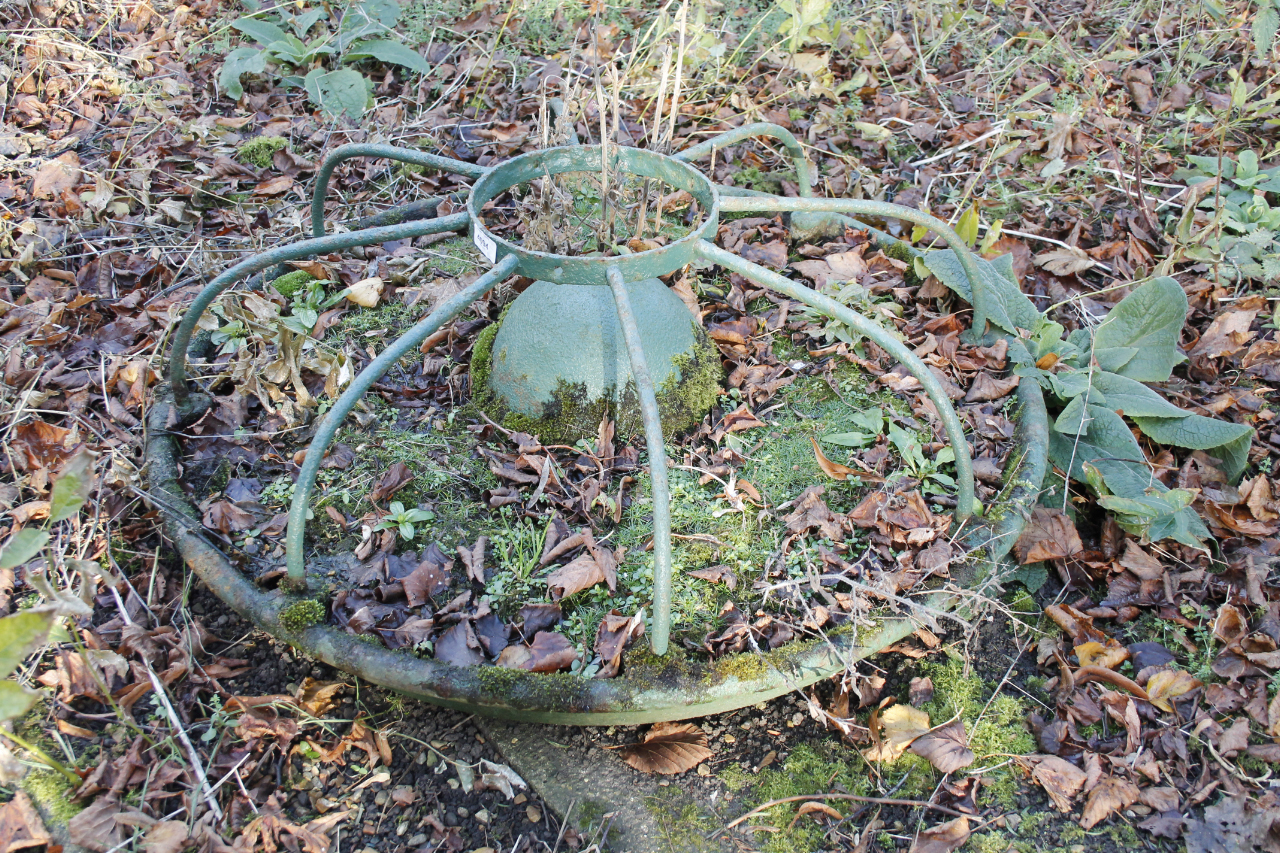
651 690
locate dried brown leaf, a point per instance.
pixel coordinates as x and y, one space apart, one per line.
20 825
1169 684
946 747
1050 535
668 748
1060 779
1108 797
316 697
582 573
943 838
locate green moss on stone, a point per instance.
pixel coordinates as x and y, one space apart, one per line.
52 793
301 615
259 150
289 284
683 399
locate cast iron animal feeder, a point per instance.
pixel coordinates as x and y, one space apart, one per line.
606 291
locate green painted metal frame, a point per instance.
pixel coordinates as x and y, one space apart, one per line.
673 693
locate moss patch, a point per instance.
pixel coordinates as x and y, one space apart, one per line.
52 793
301 615
259 150
289 284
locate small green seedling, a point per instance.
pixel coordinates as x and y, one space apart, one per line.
403 519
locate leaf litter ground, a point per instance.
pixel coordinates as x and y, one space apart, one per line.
1151 680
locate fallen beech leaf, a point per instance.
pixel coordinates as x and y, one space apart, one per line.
429 579
740 419
316 697
366 292
615 633
1110 796
403 795
943 838
1050 535
473 559
1109 653
549 652
1169 684
811 512
1067 260
20 825
582 573
167 836
716 574
946 747
396 478
459 646
668 748
1230 624
898 725
1060 779
95 828
834 470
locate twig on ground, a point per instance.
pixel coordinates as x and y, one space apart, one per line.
882 801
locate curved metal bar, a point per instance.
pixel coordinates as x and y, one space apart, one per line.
804 174
657 465
885 210
293 251
328 428
387 152
877 333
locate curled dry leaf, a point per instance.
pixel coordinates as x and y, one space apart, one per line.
815 808
1067 260
316 697
893 730
500 777
834 470
943 838
1110 796
668 748
582 573
1169 684
473 559
396 478
946 747
366 293
1109 653
1060 779
20 824
1051 535
549 652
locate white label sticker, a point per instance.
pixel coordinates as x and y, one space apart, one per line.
485 244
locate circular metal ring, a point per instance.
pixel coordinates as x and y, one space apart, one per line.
566 269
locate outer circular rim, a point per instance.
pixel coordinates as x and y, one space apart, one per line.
565 269
679 690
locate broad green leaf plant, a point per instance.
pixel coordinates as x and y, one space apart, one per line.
1242 237
296 41
25 632
1095 380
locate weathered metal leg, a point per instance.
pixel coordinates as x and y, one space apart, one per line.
293 251
657 466
965 505
860 207
328 428
387 152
